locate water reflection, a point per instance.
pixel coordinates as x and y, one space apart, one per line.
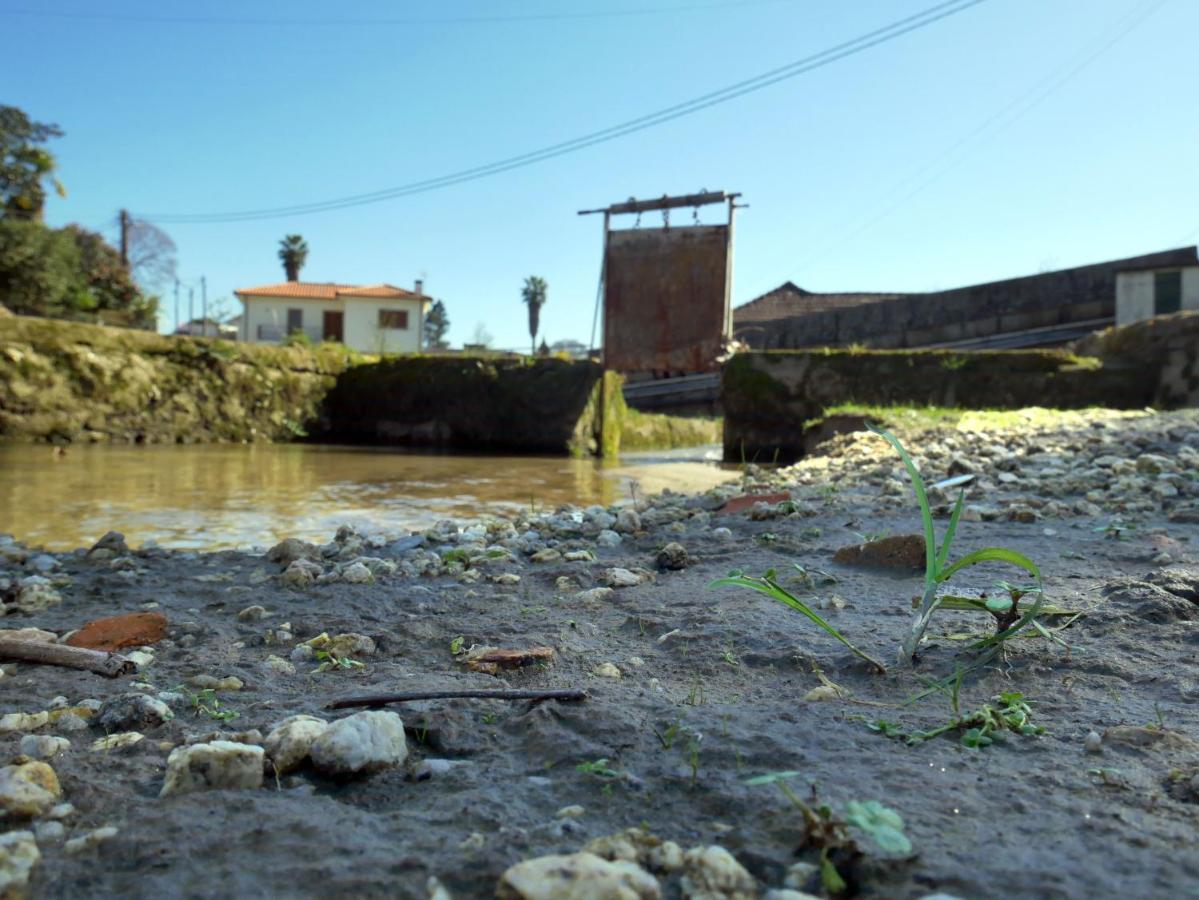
226 496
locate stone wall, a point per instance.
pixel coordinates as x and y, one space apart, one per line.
527 405
1045 300
68 381
768 396
1162 354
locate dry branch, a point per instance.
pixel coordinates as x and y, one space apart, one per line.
107 664
381 699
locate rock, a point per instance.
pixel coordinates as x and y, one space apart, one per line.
722 534
218 765
118 632
579 556
768 502
252 614
10 722
112 544
28 789
903 552
712 873
606 670
18 856
627 521
48 832
289 742
579 876
1093 743
30 595
357 573
43 746
278 666
301 573
92 839
289 550
212 683
507 578
122 740
545 555
570 812
619 578
364 742
636 845
596 595
132 712
608 538
673 556
28 634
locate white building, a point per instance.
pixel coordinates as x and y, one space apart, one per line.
377 318
1145 293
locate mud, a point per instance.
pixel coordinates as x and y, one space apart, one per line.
710 694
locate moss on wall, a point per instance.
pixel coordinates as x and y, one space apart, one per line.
68 381
654 431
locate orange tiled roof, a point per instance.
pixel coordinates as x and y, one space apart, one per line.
326 290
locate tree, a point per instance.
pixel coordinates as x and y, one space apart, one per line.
24 164
151 254
437 323
534 295
482 337
293 251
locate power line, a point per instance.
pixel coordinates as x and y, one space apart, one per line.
138 18
791 70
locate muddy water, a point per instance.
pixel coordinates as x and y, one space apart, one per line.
210 497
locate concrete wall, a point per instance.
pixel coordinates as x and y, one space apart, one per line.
768 396
1049 299
1135 299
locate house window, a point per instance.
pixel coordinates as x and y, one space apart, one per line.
295 320
1167 292
394 319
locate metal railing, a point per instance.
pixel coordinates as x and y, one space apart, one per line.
278 333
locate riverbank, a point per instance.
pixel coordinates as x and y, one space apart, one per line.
692 691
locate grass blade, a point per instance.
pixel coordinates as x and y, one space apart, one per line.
776 592
930 538
992 554
943 552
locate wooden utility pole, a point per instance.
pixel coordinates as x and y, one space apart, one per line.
204 303
125 238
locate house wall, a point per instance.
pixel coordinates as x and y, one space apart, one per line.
363 332
272 312
1135 294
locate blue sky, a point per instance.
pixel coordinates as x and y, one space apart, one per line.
1013 137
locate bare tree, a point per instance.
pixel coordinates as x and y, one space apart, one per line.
151 254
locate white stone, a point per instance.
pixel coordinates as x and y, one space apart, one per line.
91 839
11 722
277 665
301 573
608 538
220 764
364 742
627 521
357 573
606 670
619 578
121 741
595 595
18 856
43 746
289 742
722 534
579 876
712 873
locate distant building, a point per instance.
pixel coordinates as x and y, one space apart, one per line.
377 318
1045 309
209 328
1155 291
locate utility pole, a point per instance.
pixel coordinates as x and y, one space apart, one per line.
177 322
125 238
204 303
191 310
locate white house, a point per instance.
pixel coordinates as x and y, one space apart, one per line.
377 318
1145 293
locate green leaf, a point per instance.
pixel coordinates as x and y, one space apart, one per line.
883 824
999 604
992 554
930 538
830 878
772 777
950 531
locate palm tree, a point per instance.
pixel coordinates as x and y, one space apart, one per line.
534 294
293 250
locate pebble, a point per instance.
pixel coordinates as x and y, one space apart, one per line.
289 742
42 746
1093 743
12 722
713 872
132 712
252 614
606 670
277 665
722 534
619 578
570 812
608 538
92 839
584 876
673 556
357 573
28 789
301 573
18 856
627 521
122 740
220 764
50 832
595 595
363 742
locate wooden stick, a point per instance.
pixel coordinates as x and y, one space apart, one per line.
108 664
381 699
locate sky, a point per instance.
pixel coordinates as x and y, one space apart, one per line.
1012 137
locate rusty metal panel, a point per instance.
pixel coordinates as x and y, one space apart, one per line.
666 305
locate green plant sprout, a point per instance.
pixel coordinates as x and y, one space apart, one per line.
330 662
206 703
981 728
768 585
938 570
833 836
598 767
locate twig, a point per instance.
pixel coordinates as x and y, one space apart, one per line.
108 664
381 699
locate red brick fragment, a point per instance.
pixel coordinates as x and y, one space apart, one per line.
117 632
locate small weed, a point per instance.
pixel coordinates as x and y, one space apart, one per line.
869 537
457 645
1115 530
206 703
697 697
666 737
693 757
488 718
598 768
729 657
330 662
981 728
768 537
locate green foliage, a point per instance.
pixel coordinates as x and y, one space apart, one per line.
598 767
437 324
206 703
938 569
534 294
25 164
297 338
981 728
330 662
293 253
768 585
883 825
68 273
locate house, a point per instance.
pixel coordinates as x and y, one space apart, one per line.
209 328
1155 291
377 318
1041 310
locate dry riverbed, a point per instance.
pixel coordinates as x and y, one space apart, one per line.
692 693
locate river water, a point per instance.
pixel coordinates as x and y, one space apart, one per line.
223 496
